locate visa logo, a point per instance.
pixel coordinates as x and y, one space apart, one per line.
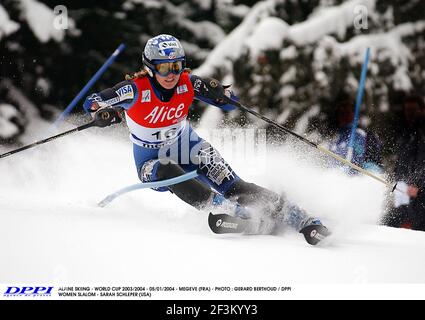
125 92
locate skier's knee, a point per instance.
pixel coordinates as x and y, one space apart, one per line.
154 170
168 171
192 191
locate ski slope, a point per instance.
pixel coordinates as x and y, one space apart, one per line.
51 230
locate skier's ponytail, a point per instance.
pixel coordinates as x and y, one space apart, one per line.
139 74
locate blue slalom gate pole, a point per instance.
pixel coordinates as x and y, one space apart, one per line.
359 99
89 84
155 184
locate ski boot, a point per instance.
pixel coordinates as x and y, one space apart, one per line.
314 231
238 219
312 228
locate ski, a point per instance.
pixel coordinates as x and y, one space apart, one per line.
224 223
315 233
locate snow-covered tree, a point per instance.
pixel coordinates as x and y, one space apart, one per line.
294 69
290 59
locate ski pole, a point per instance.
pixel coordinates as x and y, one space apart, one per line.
89 84
212 87
104 117
358 104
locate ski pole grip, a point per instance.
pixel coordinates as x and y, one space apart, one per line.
106 116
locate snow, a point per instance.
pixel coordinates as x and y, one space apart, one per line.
151 4
288 53
201 29
7 26
328 21
231 46
7 128
148 4
289 75
407 29
204 29
40 18
212 118
8 111
303 121
268 34
259 31
36 123
44 85
51 230
194 51
402 81
204 4
390 40
387 45
287 91
239 10
284 116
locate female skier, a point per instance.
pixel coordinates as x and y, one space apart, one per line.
156 101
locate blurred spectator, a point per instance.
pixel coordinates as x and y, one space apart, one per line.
367 146
409 171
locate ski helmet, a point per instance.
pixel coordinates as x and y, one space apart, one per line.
164 54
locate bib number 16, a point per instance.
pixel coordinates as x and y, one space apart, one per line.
165 134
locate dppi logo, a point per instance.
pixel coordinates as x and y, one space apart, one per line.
28 291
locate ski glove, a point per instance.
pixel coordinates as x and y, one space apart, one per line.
91 104
212 89
107 116
212 92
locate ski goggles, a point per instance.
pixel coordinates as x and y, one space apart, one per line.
165 68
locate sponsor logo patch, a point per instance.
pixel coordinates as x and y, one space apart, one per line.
229 225
125 92
164 113
182 89
168 44
146 96
213 83
166 48
225 224
112 101
172 55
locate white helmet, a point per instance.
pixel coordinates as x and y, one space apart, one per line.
164 49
